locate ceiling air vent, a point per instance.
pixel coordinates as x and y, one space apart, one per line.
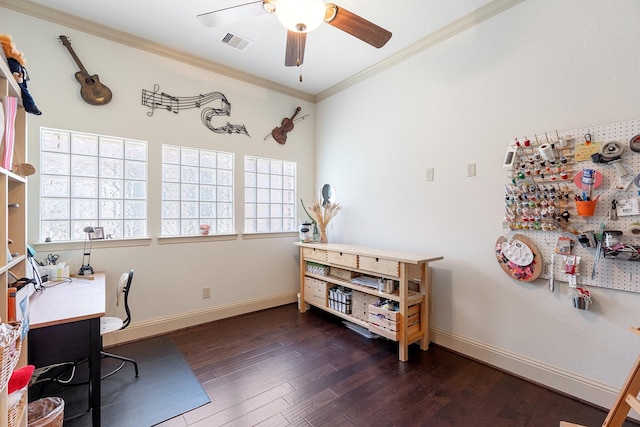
236 41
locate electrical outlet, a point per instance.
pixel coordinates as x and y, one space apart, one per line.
206 292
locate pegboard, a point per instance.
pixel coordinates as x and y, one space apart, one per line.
597 148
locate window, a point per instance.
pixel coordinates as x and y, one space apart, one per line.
197 190
269 195
91 180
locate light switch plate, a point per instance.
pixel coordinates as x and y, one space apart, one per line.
471 169
429 174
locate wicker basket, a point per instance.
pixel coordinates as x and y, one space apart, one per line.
17 403
10 343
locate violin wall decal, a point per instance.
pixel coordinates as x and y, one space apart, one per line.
280 133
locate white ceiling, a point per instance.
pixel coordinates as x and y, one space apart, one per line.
332 57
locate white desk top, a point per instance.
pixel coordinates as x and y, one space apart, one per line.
79 299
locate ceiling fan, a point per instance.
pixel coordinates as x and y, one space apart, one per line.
301 17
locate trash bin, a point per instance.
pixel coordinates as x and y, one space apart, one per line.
46 412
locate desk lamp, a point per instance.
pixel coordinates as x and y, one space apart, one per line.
86 268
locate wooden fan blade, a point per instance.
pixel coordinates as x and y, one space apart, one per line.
357 26
232 14
295 48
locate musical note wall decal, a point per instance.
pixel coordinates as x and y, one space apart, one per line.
156 99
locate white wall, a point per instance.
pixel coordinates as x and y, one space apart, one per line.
244 274
540 66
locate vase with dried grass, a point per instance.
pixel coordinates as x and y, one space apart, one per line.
321 215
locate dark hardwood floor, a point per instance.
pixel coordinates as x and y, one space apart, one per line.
278 367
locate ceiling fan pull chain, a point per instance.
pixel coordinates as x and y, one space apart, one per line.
299 54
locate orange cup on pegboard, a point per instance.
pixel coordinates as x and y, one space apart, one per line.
586 207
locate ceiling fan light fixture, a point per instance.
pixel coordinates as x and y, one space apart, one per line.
301 16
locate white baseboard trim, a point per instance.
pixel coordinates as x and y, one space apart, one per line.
140 330
582 388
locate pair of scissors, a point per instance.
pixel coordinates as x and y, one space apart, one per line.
587 138
52 259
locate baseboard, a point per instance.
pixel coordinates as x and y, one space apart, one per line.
147 329
593 392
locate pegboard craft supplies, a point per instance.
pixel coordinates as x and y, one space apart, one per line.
546 151
634 229
584 151
587 239
634 143
564 245
586 207
611 150
588 180
594 271
597 181
581 298
628 207
572 265
612 238
525 273
517 252
618 271
572 269
622 252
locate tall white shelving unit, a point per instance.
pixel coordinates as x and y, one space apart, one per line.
13 223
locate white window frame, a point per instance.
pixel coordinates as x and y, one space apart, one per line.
197 191
115 191
270 200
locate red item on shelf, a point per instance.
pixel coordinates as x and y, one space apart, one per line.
20 378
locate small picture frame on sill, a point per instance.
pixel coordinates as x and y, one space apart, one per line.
98 233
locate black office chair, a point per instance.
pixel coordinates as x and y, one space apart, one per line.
112 324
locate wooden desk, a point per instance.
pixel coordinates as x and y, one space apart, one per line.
64 325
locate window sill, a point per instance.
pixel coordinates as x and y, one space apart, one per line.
168 240
224 237
102 243
146 241
251 236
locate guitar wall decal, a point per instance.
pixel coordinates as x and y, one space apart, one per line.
91 90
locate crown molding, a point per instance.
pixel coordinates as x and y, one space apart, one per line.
121 37
479 15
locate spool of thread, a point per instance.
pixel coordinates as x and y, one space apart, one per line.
634 229
588 179
634 144
546 151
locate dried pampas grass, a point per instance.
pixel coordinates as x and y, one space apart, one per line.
323 214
